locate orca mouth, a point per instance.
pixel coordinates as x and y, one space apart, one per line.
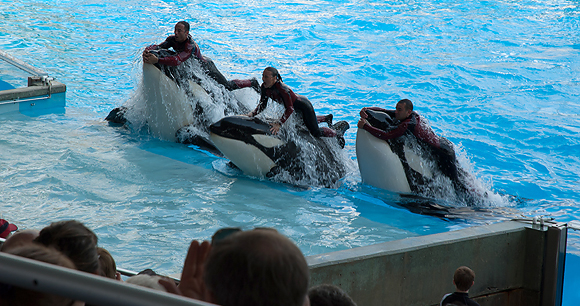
239 127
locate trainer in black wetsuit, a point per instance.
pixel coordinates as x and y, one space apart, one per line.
274 89
408 121
184 47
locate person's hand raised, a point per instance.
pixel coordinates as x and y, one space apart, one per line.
192 284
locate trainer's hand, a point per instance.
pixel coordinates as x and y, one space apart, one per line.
275 127
363 113
150 58
361 123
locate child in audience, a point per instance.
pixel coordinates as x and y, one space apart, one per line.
107 264
463 279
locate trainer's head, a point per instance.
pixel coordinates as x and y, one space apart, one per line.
270 76
181 31
259 267
404 109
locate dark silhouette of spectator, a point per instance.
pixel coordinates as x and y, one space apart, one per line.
259 267
329 295
13 295
74 240
107 265
463 279
19 238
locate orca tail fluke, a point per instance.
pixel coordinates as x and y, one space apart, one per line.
341 127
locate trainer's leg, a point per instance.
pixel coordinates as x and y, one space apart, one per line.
248 83
308 115
327 119
215 74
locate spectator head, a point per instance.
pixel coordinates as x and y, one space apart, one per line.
18 239
6 228
107 265
329 295
463 278
74 240
12 295
259 267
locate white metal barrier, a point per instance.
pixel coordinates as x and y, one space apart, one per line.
92 289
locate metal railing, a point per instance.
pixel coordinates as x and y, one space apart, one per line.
22 65
92 289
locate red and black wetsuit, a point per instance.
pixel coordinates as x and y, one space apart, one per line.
282 94
183 51
415 125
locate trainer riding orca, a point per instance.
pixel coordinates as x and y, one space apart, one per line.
301 159
398 151
182 92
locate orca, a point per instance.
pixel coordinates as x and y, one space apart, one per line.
405 165
298 159
179 104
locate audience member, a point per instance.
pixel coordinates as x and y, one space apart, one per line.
463 279
329 295
107 265
18 239
258 267
12 295
6 228
145 280
74 240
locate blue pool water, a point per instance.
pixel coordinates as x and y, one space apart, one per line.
500 79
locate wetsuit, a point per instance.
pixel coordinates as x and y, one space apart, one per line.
457 298
183 51
282 94
442 148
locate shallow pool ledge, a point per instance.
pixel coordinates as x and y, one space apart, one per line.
41 94
515 262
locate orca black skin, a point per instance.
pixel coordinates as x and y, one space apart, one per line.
287 156
117 115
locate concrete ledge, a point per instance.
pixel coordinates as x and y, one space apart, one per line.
506 257
32 91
